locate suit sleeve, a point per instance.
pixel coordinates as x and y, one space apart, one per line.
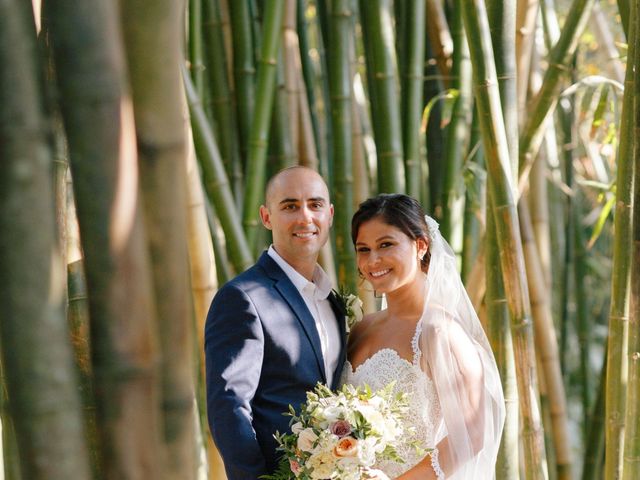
234 347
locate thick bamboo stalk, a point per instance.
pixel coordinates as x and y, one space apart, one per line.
379 48
203 285
631 464
546 344
98 119
153 32
619 309
544 103
340 81
499 333
223 108
511 259
440 38
244 70
502 16
259 135
216 182
458 134
37 363
623 8
412 91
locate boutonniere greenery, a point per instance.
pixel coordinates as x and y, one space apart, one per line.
352 306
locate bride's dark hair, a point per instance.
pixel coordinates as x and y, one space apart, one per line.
395 209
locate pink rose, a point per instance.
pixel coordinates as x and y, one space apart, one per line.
346 447
340 428
295 467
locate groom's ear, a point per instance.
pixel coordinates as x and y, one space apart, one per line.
265 216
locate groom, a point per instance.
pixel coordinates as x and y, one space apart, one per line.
274 331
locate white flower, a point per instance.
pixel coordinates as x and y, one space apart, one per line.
354 309
306 439
297 428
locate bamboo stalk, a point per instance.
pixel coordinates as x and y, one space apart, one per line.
309 81
203 284
594 444
37 363
440 38
152 33
619 308
507 465
458 134
224 112
544 103
631 464
340 82
526 16
475 205
258 142
512 259
244 70
379 48
547 345
412 79
281 144
216 182
599 24
291 67
502 18
196 48
10 465
123 332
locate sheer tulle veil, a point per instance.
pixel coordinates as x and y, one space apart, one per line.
473 417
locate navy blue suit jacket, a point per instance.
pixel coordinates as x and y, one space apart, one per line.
262 354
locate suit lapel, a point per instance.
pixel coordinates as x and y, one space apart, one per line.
292 296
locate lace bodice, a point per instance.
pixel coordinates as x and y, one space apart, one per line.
423 417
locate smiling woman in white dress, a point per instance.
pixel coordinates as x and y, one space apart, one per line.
428 341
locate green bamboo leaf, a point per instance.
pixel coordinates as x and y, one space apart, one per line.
602 219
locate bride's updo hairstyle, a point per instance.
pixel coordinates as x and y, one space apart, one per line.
398 210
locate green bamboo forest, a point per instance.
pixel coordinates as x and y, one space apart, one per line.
138 136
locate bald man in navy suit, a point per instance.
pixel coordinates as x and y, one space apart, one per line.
274 331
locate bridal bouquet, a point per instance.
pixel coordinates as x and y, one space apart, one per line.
339 435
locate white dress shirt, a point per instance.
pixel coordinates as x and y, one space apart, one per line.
315 295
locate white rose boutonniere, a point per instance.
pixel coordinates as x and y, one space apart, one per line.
353 308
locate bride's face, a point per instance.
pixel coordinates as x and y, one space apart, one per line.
386 256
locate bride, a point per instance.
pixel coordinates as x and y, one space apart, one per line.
429 341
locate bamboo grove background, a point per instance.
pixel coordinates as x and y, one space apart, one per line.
135 140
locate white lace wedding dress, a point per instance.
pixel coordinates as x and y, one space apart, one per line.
423 417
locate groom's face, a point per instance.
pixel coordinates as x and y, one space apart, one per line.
298 213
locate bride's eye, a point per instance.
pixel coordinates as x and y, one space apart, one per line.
362 249
386 244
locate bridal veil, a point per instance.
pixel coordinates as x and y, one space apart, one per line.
457 356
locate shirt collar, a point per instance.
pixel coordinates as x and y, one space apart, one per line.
320 284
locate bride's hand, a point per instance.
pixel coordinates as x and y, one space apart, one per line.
374 474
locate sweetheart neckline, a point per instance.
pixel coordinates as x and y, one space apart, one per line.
392 350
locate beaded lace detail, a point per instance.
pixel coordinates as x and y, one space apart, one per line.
423 416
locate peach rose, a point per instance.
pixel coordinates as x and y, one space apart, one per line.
346 447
